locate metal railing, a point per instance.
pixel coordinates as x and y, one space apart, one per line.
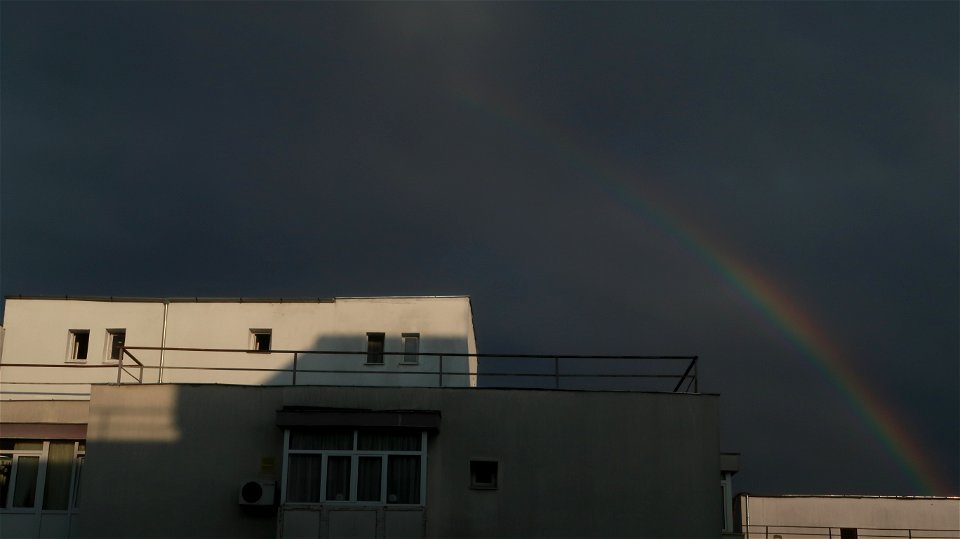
778 531
680 381
676 374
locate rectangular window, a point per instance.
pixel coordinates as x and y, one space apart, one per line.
411 348
24 464
115 340
848 533
375 348
79 343
389 466
338 478
78 473
368 479
260 339
483 474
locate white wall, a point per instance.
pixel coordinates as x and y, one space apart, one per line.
444 325
38 333
821 516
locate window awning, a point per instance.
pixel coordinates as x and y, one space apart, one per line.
44 431
414 419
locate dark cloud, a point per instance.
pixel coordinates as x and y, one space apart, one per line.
546 159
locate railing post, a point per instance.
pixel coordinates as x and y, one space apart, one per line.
120 364
696 378
440 371
295 354
556 372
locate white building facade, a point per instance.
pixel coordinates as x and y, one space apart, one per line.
848 517
348 417
341 341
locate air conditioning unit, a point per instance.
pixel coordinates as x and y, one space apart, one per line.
257 492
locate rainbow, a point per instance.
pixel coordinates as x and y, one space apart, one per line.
759 290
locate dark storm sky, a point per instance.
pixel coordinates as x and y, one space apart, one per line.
577 168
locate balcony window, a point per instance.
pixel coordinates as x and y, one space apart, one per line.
389 466
25 463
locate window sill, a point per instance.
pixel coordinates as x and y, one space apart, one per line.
76 361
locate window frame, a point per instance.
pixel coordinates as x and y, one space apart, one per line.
255 333
73 350
476 485
374 357
415 355
112 334
355 455
79 452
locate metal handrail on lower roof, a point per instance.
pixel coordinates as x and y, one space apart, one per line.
686 380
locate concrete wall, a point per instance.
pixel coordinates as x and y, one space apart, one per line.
38 333
37 411
806 516
167 460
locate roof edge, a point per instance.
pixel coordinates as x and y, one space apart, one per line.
199 299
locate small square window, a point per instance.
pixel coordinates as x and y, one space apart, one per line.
848 533
260 339
79 344
115 341
483 474
375 348
411 348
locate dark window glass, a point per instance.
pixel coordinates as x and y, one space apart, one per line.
56 485
403 479
375 347
338 478
483 473
322 439
76 480
25 491
369 471
117 338
261 341
388 441
21 445
6 471
411 347
303 478
81 341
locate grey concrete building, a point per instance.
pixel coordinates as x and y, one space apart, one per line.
283 458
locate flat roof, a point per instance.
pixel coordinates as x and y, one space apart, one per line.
216 300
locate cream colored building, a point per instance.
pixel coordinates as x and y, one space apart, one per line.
56 348
348 417
848 517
